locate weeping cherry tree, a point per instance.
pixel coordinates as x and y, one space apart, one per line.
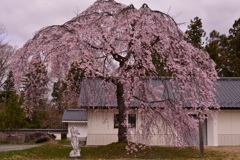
126 47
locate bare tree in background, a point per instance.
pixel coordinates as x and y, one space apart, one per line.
6 51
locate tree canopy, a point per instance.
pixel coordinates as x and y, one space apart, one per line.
119 44
234 38
224 50
195 33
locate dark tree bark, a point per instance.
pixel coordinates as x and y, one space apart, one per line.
122 130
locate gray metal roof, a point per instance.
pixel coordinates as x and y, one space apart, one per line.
74 115
92 95
227 92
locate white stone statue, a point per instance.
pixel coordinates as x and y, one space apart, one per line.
75 143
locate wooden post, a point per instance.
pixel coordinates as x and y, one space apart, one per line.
201 137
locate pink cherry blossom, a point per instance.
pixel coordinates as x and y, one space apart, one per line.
116 44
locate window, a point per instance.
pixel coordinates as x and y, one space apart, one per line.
131 120
116 120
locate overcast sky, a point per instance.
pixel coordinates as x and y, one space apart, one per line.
24 17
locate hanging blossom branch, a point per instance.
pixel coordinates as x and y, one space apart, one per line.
118 44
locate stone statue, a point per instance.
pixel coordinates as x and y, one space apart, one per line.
75 143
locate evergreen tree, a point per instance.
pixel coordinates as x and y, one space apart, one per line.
234 36
195 33
12 115
218 49
69 89
74 78
8 86
234 39
225 51
58 95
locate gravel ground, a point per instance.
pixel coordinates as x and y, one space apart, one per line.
4 148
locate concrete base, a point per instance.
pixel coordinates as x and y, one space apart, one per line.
78 157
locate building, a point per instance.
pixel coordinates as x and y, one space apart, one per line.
224 129
77 118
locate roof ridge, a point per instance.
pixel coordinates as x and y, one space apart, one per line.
229 78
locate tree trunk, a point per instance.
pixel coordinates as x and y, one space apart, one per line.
122 130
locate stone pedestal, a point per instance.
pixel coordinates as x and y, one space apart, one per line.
73 154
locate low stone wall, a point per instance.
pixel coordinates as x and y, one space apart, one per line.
12 137
24 137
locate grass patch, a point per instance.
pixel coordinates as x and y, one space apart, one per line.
4 143
116 151
46 151
64 142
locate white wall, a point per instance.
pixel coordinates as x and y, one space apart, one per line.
101 129
229 127
58 136
101 122
82 129
212 130
223 130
